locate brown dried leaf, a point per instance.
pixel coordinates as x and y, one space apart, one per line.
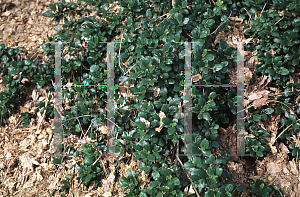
102 129
298 98
145 121
161 115
273 168
196 78
156 91
257 95
248 75
262 82
109 158
273 138
260 102
296 139
273 148
283 148
293 167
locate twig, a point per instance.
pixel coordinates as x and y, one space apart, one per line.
284 130
120 49
263 8
130 69
197 194
178 159
97 159
177 152
18 124
113 122
248 13
279 20
219 25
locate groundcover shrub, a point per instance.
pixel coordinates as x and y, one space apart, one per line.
155 59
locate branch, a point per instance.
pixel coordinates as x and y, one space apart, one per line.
120 50
177 157
219 25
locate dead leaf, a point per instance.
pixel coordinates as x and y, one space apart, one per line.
293 167
156 91
257 95
247 135
273 138
296 139
110 158
262 82
34 95
248 75
273 168
236 19
161 115
273 148
196 78
298 99
260 102
145 121
283 148
102 129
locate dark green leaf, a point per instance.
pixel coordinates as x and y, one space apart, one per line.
210 22
129 21
178 17
73 6
256 118
185 21
163 92
165 108
218 67
47 14
166 121
212 95
201 184
123 79
89 160
155 175
57 28
175 181
94 68
219 171
171 130
169 61
148 14
284 71
204 143
56 161
52 7
210 57
269 110
28 62
206 116
151 157
210 160
259 154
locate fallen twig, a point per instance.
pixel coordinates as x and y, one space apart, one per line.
219 25
284 130
279 20
120 50
177 158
